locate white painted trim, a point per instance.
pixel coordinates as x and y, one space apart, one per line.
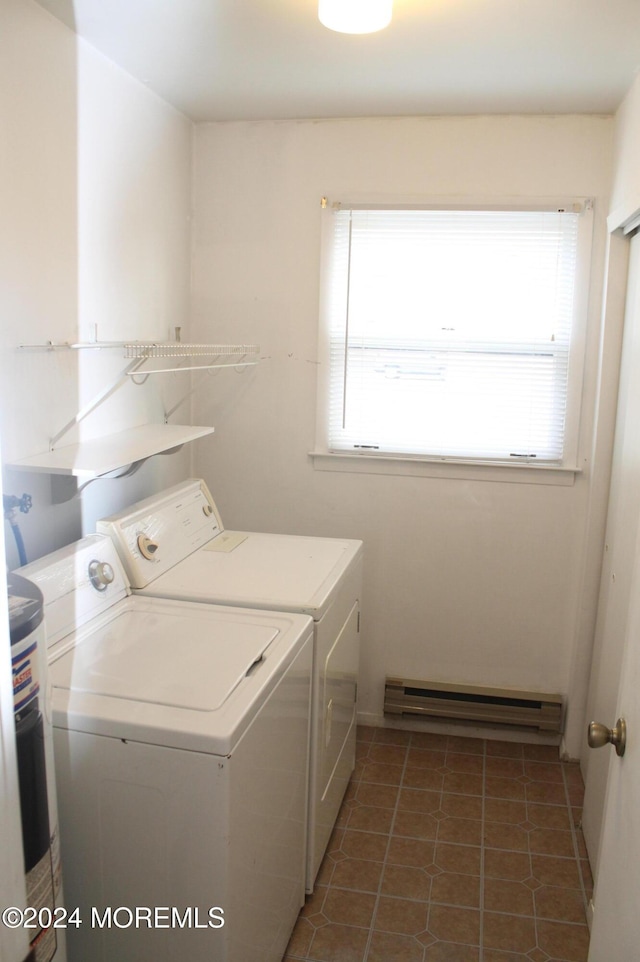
625 218
446 468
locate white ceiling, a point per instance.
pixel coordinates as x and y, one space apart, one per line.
259 59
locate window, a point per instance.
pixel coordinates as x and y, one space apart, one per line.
454 334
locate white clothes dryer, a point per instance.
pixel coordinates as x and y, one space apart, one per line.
181 752
174 545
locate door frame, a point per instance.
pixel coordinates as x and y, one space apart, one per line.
604 682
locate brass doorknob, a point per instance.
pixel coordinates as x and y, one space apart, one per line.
599 735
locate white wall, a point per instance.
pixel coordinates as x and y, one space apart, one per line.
95 184
625 192
465 580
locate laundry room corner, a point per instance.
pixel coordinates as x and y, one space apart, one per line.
96 195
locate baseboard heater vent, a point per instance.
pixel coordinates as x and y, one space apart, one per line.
471 703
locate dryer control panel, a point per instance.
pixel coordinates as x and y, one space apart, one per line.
155 534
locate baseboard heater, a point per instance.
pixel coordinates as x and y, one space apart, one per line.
472 703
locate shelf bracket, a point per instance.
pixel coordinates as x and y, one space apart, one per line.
197 381
97 401
137 353
64 487
67 487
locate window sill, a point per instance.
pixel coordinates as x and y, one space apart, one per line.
432 468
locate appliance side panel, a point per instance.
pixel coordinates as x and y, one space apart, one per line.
141 826
269 817
333 725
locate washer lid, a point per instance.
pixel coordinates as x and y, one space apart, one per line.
170 660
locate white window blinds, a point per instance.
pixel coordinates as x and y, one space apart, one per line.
450 332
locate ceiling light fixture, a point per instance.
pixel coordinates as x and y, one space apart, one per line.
355 16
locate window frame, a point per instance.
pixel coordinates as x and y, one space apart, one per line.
564 472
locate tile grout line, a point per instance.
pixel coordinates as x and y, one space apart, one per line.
527 804
386 853
576 846
436 839
482 850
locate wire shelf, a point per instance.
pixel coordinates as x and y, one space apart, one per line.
151 349
137 353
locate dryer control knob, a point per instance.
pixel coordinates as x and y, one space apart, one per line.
147 547
207 510
101 574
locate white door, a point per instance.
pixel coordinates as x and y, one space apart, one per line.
623 524
615 934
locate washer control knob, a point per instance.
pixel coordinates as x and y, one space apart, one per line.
147 547
101 574
207 510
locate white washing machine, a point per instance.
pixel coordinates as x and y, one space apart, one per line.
181 752
174 545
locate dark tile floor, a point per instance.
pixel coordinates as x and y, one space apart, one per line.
451 849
